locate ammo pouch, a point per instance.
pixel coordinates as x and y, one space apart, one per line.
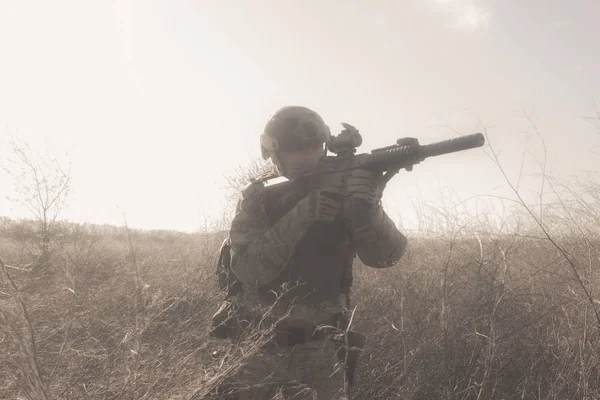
225 276
223 321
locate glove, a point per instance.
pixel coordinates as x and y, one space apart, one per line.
366 186
364 190
321 204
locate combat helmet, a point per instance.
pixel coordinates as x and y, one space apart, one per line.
292 128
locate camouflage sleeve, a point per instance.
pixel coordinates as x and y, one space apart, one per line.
379 244
261 251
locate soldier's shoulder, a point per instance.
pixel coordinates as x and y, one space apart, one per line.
255 189
252 190
250 207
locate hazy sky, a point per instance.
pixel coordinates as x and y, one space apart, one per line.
155 100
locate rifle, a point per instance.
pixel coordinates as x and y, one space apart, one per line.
404 154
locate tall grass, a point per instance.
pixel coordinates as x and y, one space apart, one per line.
471 311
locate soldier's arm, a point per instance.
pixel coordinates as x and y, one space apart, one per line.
379 244
261 251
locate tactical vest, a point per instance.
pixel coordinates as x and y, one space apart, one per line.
321 265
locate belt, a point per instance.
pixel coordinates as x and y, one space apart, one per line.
294 335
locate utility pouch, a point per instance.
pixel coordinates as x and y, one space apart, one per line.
223 321
349 346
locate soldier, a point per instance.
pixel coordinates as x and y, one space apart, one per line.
292 254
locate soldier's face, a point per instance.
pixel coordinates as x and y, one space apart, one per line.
301 162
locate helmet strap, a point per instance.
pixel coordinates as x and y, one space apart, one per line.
278 162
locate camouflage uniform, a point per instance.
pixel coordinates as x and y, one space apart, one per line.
289 240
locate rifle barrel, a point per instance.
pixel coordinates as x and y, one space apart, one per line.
453 145
404 156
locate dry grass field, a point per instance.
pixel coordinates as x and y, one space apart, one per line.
469 313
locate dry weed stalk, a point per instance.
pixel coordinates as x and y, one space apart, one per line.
29 367
544 228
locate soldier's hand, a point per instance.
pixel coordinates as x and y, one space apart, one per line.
365 185
321 204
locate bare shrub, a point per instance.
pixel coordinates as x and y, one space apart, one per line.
42 186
